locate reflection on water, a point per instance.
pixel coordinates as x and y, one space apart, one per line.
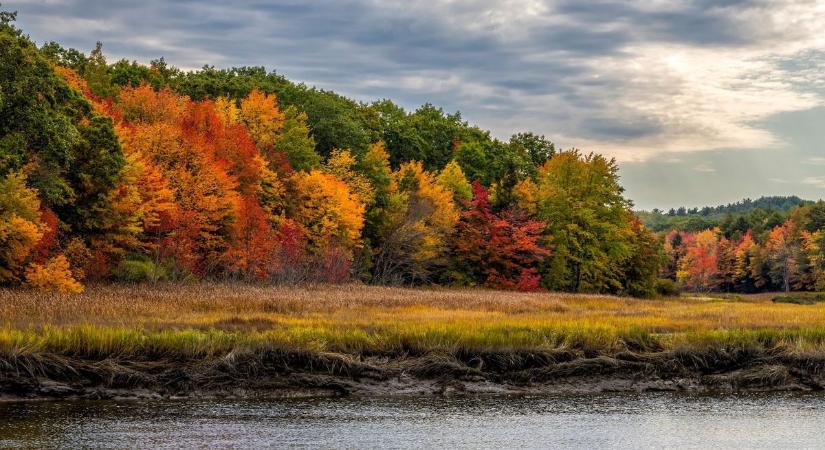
595 421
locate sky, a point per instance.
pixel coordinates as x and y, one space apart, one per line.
701 102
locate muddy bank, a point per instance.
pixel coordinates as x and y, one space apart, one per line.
277 373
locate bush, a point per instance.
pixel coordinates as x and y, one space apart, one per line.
666 288
800 298
54 276
139 270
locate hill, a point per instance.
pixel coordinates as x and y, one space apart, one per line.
768 210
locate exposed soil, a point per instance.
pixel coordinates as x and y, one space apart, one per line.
287 374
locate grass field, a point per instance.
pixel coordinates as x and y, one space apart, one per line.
214 319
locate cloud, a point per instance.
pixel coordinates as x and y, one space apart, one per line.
815 181
704 167
815 161
630 79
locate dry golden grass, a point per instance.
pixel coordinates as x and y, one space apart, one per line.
213 318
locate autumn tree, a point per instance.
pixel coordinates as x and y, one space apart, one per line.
262 117
452 178
327 210
253 253
343 166
413 238
699 268
782 248
588 222
53 276
20 226
501 250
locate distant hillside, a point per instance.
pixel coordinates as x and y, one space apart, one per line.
762 211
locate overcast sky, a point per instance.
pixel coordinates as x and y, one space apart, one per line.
702 102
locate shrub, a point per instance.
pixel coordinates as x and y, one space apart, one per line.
139 270
800 299
666 288
54 276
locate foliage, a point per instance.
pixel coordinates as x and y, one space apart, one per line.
588 222
263 119
54 276
501 250
452 178
140 270
328 212
296 141
20 226
413 238
70 153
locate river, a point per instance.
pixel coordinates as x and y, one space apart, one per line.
652 420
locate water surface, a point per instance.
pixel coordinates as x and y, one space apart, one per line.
594 421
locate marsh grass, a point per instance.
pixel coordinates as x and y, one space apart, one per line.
203 320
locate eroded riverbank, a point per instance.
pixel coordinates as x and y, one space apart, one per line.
278 374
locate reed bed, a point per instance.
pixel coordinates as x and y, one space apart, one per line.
210 319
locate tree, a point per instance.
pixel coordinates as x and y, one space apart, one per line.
743 252
588 222
375 166
20 226
782 250
525 195
452 178
260 113
296 141
640 271
427 135
329 213
727 264
502 250
96 72
420 218
537 147
699 269
253 254
342 164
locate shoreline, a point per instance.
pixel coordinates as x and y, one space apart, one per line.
284 374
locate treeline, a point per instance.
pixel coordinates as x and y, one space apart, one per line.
783 256
746 213
130 172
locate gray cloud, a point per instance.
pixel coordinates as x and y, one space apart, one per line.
633 79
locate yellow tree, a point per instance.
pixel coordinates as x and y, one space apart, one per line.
421 217
329 213
263 120
452 178
20 226
341 164
143 201
525 194
227 111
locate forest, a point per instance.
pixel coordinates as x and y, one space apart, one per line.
146 173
